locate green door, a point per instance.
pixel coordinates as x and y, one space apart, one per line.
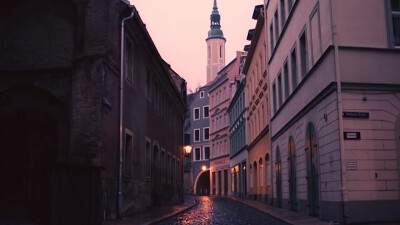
278 170
292 175
312 172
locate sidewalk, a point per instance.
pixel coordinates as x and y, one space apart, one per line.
285 215
156 215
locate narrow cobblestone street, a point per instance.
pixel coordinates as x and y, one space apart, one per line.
215 210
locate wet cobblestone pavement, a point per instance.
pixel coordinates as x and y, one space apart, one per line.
222 211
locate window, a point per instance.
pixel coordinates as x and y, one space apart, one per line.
286 77
128 153
279 89
395 4
293 61
315 35
274 97
148 158
163 165
196 135
283 13
196 113
196 153
224 93
206 133
201 94
271 37
290 5
209 52
129 60
206 111
303 54
148 86
207 152
276 25
220 51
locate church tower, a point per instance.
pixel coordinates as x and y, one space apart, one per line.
215 45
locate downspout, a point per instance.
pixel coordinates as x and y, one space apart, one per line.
121 111
269 106
340 112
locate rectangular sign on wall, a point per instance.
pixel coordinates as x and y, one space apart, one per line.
351 165
352 135
364 115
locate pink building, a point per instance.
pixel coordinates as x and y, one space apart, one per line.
219 94
333 66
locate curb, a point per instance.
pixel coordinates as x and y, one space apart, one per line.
276 217
166 217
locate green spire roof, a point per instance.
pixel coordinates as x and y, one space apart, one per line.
215 18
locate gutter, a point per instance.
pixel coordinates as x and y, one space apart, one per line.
121 111
340 117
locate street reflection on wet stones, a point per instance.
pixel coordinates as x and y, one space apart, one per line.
217 210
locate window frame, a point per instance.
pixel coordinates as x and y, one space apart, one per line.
194 135
194 113
204 133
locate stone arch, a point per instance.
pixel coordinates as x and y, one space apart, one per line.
261 178
34 134
202 182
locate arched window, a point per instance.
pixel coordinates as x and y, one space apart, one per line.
312 171
292 175
278 170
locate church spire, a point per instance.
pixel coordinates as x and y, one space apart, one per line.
215 19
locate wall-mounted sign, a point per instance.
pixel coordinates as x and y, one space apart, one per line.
364 115
352 135
351 165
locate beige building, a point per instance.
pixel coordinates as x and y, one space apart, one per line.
257 108
333 66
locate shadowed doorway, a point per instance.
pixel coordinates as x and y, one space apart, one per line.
203 184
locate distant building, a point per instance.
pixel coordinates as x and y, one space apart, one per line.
215 45
257 106
237 134
333 69
219 92
71 153
199 129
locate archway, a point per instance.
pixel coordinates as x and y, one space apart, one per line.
31 135
202 183
312 171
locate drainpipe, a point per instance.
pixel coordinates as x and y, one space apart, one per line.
271 165
121 111
340 113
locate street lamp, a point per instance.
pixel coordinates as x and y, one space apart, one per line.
187 149
204 168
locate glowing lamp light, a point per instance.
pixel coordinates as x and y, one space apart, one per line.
187 149
203 168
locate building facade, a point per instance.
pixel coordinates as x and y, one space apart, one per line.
77 155
219 93
335 108
199 130
215 45
237 135
257 106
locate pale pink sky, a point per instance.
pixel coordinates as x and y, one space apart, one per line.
179 29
